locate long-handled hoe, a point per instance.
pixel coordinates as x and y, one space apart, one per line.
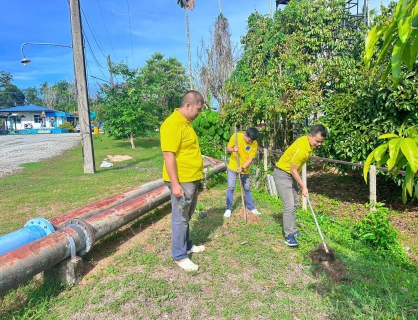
322 253
239 177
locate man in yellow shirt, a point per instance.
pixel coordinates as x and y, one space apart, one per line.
287 178
247 150
182 172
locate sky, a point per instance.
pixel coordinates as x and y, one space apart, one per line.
127 30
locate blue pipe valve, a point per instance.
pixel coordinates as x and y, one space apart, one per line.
33 230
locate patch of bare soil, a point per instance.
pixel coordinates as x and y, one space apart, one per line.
117 158
251 218
325 261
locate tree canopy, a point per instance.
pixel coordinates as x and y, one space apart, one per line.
144 98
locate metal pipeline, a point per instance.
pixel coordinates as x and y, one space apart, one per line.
19 265
91 209
39 227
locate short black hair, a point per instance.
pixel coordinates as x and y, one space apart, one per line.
192 97
252 133
318 128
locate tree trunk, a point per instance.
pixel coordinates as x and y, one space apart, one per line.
131 139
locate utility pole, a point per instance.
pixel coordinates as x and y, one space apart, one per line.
81 82
109 63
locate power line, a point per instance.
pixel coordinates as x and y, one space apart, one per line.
130 33
117 32
92 30
106 28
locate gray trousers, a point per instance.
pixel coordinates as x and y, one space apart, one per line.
288 189
180 217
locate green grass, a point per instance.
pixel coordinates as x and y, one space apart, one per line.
246 271
58 185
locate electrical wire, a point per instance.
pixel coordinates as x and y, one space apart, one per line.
130 33
106 29
116 27
92 30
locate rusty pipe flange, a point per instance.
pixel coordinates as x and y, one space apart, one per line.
85 232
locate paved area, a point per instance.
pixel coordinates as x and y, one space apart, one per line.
18 149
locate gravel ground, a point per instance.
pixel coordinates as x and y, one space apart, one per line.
18 149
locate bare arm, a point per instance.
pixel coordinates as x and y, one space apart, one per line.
295 174
232 149
171 165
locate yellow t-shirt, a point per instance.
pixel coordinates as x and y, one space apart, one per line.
245 151
178 136
297 154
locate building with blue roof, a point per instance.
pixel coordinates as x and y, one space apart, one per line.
32 117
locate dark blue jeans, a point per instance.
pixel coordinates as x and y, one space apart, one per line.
180 217
232 178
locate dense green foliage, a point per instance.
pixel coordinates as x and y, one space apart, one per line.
359 116
10 95
213 136
145 97
398 33
400 152
375 230
67 125
288 65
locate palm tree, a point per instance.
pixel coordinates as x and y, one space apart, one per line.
188 5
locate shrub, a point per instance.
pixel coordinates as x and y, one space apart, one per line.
67 125
375 231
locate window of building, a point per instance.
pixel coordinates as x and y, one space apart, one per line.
37 118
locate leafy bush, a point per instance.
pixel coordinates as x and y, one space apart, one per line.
375 230
213 136
67 125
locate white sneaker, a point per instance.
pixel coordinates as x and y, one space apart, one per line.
196 249
254 211
187 265
227 213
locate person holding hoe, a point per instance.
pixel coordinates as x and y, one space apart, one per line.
245 146
287 178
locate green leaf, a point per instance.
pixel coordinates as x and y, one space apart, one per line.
380 151
371 40
404 194
404 29
396 60
383 161
414 50
388 135
366 167
416 190
410 150
394 146
389 40
409 179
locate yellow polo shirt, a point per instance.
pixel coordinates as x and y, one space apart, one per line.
178 136
245 151
297 154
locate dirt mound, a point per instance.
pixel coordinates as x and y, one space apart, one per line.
325 261
251 218
117 158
